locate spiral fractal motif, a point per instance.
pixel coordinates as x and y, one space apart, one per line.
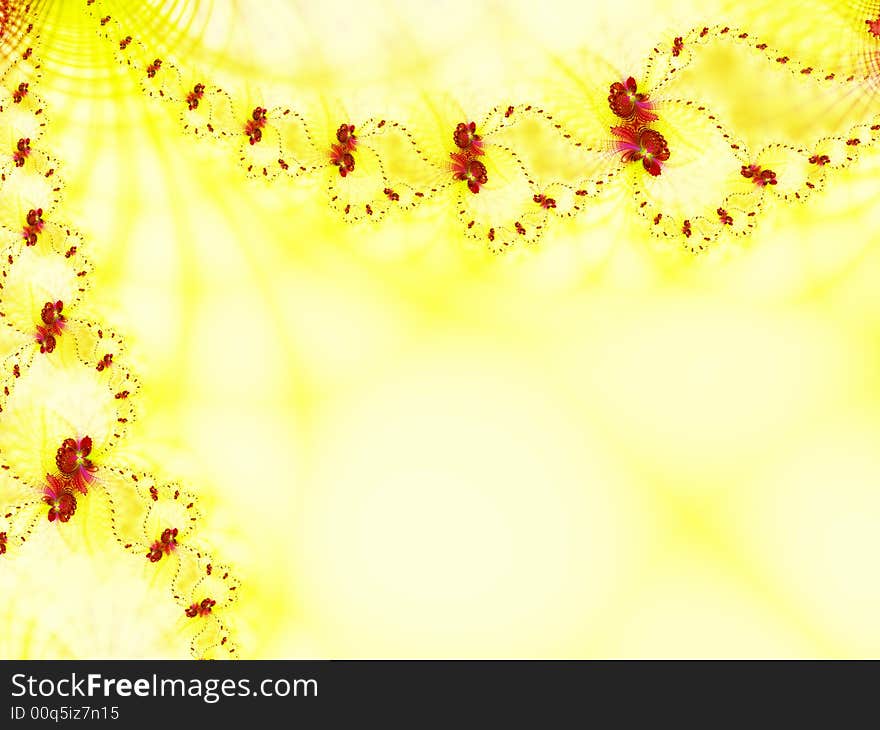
669 154
513 170
68 396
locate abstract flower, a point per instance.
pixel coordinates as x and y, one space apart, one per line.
22 151
342 152
165 545
20 92
629 104
201 608
342 158
61 500
254 126
33 226
466 138
466 168
53 323
194 97
761 177
74 465
644 144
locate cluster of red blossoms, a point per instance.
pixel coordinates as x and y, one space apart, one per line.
629 104
76 472
465 165
195 96
52 326
153 68
342 153
22 151
762 178
165 545
545 202
60 498
20 93
644 144
74 464
253 128
635 140
201 609
33 226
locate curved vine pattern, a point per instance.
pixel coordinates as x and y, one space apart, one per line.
516 169
67 394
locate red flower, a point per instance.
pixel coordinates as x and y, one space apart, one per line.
341 153
466 138
195 96
201 609
760 177
20 93
644 144
53 325
165 545
342 158
628 104
61 501
52 317
346 137
34 225
74 464
254 126
46 341
470 170
22 151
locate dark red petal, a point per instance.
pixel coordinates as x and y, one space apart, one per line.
651 165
